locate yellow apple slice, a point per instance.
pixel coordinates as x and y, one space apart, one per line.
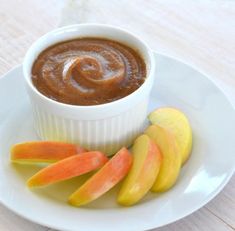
146 164
178 124
171 162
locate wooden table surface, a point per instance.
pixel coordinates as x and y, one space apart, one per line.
202 33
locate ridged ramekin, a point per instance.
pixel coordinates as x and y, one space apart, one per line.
105 127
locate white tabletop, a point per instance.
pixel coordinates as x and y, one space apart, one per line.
202 33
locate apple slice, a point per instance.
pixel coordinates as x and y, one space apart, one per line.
146 164
178 124
43 151
171 162
67 168
106 178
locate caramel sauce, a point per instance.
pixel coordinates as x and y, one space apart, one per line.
88 71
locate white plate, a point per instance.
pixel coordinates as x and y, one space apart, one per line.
204 175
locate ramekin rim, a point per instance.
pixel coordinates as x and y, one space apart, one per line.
147 81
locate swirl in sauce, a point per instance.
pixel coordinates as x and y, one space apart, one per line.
88 71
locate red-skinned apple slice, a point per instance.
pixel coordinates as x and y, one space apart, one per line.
67 168
105 179
43 151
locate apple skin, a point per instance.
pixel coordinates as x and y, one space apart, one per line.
67 168
43 151
146 164
171 162
103 180
178 124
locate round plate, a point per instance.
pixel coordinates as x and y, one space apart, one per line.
208 170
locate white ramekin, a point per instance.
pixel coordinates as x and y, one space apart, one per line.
105 127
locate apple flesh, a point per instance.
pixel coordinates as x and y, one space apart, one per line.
171 162
178 124
105 179
68 168
43 151
146 164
